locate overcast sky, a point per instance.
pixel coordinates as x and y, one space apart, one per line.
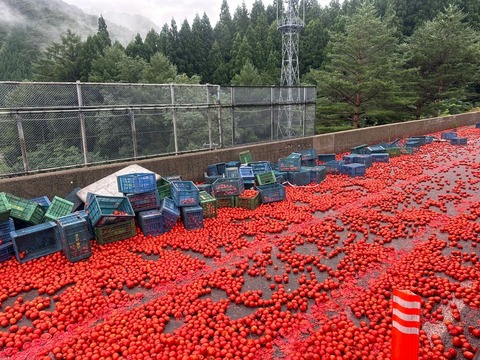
162 11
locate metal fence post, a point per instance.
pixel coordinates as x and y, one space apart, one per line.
219 113
83 130
304 109
134 133
174 117
21 138
209 119
232 99
272 118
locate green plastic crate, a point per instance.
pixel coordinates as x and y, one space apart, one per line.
266 178
230 202
249 203
4 207
208 204
393 151
115 232
25 210
58 208
245 157
164 188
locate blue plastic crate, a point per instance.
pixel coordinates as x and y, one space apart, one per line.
74 237
221 168
185 193
171 178
6 252
43 201
449 135
299 178
259 167
289 164
324 158
170 214
271 193
192 217
137 183
249 183
309 154
413 143
353 170
210 179
232 172
295 155
381 157
228 187
334 167
144 201
360 149
318 174
208 188
35 241
429 139
309 163
231 164
364 159
477 125
246 172
281 176
458 141
349 158
5 228
84 215
151 222
105 210
375 149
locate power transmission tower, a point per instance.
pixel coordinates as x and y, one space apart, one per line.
290 25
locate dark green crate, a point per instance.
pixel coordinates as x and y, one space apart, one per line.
245 157
227 202
209 205
249 203
58 208
4 207
25 210
266 178
164 188
393 151
360 149
115 232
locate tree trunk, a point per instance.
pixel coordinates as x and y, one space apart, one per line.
356 111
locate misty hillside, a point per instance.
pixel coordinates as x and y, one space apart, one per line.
46 20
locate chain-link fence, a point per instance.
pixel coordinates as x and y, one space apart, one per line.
46 126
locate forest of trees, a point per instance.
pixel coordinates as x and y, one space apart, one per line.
373 62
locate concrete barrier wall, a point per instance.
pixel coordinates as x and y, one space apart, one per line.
192 166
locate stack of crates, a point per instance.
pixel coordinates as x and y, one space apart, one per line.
141 190
227 190
208 204
58 208
170 214
151 222
6 246
35 241
74 237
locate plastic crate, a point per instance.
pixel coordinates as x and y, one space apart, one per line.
295 155
324 158
364 159
245 157
309 163
350 158
477 125
59 207
246 172
308 154
151 222
208 204
249 203
413 143
6 252
231 164
360 149
232 172
212 170
145 201
299 178
228 187
74 236
458 141
43 201
4 207
5 228
106 210
173 178
318 174
266 178
393 151
281 176
35 241
420 139
185 193
289 164
448 135
25 210
381 157
227 202
170 214
271 193
164 188
136 183
353 170
407 151
334 167
375 149
192 217
115 232
249 183
210 179
429 139
260 167
85 216
208 188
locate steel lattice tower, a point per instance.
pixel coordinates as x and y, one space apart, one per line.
289 24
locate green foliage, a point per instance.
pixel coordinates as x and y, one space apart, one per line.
249 75
17 54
